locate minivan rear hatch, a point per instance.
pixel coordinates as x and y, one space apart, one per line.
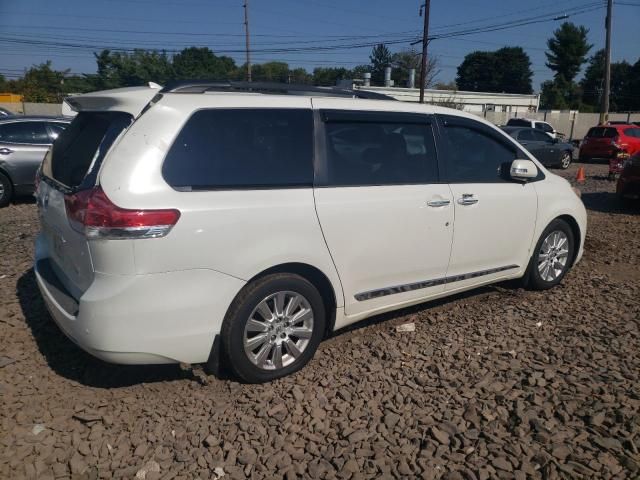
71 167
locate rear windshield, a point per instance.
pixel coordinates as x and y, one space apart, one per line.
77 152
518 122
602 132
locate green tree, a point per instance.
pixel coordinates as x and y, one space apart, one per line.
505 70
3 83
380 59
631 90
269 72
300 76
514 66
593 80
202 63
121 69
329 76
43 84
568 49
559 94
478 73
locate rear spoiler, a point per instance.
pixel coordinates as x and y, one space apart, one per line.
131 100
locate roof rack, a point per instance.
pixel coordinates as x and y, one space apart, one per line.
195 86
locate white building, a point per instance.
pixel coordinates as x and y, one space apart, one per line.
475 102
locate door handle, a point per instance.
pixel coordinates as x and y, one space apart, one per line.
438 203
5 151
468 199
524 143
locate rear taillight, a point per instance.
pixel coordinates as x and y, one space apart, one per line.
92 213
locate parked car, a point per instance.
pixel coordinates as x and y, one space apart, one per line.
5 113
608 141
532 123
549 151
23 144
238 223
628 187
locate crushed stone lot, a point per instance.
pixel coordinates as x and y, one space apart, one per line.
497 383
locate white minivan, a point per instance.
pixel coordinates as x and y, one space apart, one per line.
242 223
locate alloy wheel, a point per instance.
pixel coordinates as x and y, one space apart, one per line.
566 160
553 255
278 330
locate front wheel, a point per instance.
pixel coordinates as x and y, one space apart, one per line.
273 327
552 256
565 160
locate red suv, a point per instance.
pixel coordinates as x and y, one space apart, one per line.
606 142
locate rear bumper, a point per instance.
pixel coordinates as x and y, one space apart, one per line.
142 319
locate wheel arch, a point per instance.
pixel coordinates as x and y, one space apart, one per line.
6 173
314 275
575 229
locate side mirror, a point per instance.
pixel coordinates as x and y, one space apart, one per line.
555 140
523 170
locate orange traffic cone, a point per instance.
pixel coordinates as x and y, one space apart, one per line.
580 178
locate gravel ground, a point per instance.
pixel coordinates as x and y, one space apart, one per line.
499 383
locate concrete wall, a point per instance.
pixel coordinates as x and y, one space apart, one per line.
573 124
27 108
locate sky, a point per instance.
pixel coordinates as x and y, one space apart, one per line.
298 32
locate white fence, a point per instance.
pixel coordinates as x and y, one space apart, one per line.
574 125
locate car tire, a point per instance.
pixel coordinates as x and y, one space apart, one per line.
6 190
260 349
555 246
565 160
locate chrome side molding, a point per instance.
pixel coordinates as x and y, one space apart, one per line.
382 292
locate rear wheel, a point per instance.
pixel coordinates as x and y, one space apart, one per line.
6 190
565 160
273 327
552 256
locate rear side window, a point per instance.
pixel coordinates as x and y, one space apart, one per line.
526 135
79 149
518 122
602 132
475 153
242 148
545 127
632 132
24 132
379 152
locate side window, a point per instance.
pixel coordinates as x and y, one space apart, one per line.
384 152
541 136
526 135
545 127
24 132
242 148
475 153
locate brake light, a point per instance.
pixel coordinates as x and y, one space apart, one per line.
92 213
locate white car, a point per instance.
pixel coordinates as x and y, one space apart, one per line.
201 223
532 123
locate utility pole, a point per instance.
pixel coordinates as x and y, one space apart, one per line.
425 42
246 31
604 108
